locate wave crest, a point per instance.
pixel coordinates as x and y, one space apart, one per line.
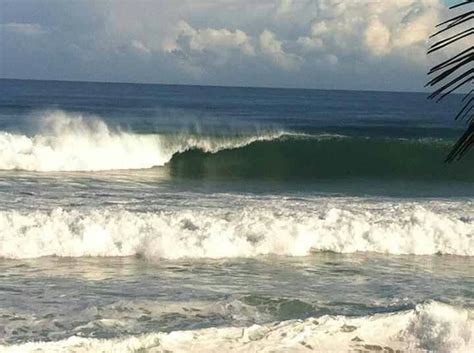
72 142
250 231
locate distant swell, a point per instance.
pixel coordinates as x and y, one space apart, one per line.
250 231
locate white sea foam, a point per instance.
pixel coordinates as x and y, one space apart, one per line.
430 327
246 231
71 142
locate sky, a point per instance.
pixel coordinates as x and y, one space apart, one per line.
331 44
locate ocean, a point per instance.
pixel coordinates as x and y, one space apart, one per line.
167 218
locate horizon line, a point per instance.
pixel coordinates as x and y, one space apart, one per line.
210 85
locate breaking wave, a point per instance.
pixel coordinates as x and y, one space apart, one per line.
75 143
429 327
299 157
249 231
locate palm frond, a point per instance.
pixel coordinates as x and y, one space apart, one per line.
454 74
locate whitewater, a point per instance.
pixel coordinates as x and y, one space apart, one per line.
430 327
273 227
55 146
255 153
175 218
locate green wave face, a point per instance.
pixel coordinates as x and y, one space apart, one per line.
289 158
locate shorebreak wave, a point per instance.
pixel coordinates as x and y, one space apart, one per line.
430 327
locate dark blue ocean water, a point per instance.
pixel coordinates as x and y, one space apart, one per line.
159 108
132 209
393 141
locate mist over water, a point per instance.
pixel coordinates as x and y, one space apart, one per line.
73 142
155 214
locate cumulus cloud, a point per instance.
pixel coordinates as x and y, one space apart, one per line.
310 44
200 51
285 6
368 44
377 37
189 38
273 48
381 27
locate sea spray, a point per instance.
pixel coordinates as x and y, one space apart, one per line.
73 142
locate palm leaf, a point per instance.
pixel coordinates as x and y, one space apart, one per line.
456 73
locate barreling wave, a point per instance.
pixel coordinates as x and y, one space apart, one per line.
290 157
429 327
74 143
250 231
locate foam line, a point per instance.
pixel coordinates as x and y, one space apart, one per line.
430 327
250 231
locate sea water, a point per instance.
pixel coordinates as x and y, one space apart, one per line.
188 218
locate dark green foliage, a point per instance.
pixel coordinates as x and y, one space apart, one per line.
457 72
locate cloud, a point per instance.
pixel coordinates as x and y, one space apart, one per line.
366 44
188 38
200 52
140 47
284 6
377 37
273 48
28 29
381 27
310 44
